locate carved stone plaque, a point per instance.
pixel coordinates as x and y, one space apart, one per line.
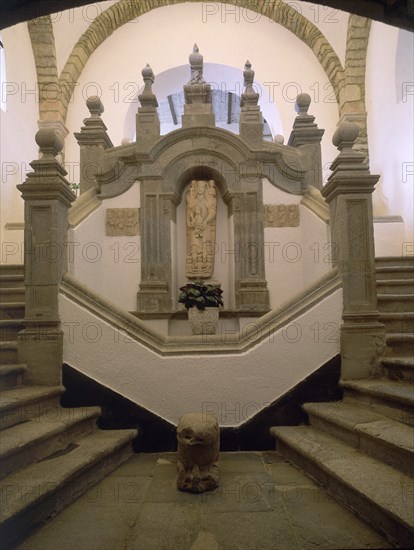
120 222
282 215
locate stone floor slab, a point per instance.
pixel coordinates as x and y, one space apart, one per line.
262 503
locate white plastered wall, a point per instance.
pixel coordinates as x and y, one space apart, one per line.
18 126
390 106
110 266
171 386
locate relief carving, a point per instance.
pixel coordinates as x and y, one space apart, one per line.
121 222
282 215
201 228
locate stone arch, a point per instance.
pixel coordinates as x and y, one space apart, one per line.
125 10
352 93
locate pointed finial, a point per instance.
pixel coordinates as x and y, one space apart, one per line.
147 72
196 66
249 95
147 98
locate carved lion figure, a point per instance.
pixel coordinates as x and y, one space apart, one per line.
198 452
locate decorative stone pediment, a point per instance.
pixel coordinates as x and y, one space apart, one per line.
168 167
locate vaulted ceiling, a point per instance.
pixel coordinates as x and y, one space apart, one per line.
399 13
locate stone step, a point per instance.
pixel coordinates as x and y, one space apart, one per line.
387 397
11 269
8 352
395 263
398 322
395 286
24 403
377 492
399 368
9 328
43 436
395 302
41 490
11 280
12 310
16 294
394 272
383 438
11 376
401 342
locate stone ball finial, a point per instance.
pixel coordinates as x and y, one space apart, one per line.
95 105
303 102
49 142
345 134
279 139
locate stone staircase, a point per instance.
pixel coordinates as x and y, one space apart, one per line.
49 455
361 449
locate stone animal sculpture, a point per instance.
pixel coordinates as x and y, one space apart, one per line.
198 452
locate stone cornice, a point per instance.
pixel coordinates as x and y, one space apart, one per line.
234 343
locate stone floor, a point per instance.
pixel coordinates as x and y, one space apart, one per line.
263 503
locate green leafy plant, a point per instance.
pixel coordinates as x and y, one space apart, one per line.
200 295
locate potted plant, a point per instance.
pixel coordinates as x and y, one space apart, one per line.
202 301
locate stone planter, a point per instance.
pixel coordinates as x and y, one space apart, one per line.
203 321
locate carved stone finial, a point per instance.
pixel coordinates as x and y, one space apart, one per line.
345 135
279 139
248 74
196 66
249 96
50 144
95 106
148 73
303 102
148 98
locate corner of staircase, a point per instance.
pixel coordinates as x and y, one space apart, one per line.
361 449
50 455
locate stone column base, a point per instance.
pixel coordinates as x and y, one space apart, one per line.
361 348
252 296
41 349
153 297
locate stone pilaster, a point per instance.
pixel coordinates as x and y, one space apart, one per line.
198 108
47 197
148 123
348 193
93 140
157 211
249 267
306 134
251 119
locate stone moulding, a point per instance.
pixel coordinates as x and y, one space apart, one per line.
285 167
233 343
84 205
316 203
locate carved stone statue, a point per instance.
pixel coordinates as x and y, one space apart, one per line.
201 228
198 452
